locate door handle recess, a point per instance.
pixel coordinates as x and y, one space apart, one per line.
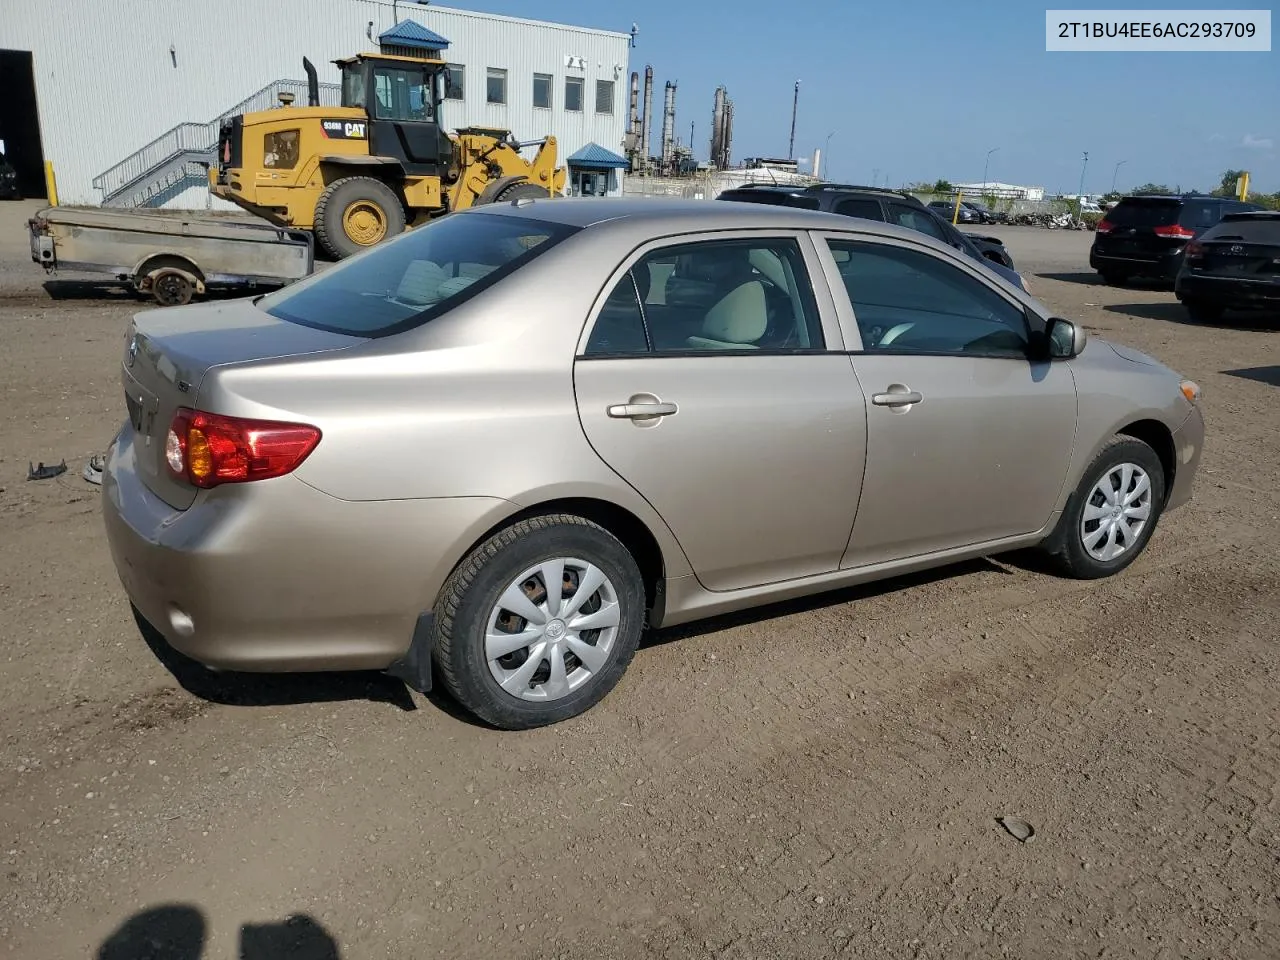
640 411
895 398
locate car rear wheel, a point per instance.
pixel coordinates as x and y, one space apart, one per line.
1113 278
1112 514
1202 312
539 622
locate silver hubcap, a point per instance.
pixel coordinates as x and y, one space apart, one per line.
552 629
1116 512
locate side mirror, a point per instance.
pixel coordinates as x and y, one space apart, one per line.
1066 339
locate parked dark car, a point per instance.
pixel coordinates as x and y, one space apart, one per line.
1235 264
1147 235
946 209
885 206
970 211
8 180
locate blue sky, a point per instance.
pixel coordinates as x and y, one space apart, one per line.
920 90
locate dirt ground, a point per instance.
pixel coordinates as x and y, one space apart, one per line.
818 779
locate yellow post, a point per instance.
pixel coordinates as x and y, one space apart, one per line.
50 183
955 213
1242 186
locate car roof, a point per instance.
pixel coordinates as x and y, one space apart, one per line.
657 216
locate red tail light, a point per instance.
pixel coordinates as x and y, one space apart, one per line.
1174 232
1195 250
1104 226
207 449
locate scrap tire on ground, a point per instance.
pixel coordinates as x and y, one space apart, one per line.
356 213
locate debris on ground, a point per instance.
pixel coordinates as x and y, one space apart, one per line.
93 469
42 472
1018 828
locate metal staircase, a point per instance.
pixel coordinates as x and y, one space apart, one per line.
180 158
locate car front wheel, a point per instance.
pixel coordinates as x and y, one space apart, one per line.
539 622
1113 512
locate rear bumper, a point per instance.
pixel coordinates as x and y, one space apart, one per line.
1228 291
282 577
1162 265
1188 443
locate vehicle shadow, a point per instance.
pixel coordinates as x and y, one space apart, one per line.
118 291
272 689
1027 560
1175 312
1267 375
91 290
1088 279
178 931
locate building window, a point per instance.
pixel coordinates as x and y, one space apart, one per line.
457 81
496 85
573 93
604 96
542 90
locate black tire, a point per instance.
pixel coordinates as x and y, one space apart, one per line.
1065 547
472 591
1202 312
357 195
1111 278
520 191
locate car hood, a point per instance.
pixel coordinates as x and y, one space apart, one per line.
1128 353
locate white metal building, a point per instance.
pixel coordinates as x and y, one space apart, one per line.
123 92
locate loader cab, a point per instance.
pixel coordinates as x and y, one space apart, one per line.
402 97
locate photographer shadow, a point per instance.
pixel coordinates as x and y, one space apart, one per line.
178 932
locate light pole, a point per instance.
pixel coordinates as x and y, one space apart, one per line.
795 105
984 168
826 153
1119 164
1080 193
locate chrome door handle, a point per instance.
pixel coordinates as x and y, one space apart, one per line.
640 411
896 398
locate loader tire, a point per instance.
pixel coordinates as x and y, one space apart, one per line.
356 213
521 191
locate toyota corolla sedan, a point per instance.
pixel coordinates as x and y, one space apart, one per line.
488 454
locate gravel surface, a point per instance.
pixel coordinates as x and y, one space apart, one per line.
818 779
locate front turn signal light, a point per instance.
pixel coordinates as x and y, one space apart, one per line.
1190 390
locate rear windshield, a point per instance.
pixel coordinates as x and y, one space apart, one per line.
1161 211
417 276
1249 227
777 199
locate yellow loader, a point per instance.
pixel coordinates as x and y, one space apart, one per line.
360 173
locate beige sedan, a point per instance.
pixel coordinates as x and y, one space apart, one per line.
493 451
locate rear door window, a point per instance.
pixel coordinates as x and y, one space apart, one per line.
1199 214
860 207
918 220
421 274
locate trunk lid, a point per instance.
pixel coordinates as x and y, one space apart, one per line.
169 351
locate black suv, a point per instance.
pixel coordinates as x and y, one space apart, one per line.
1147 235
886 206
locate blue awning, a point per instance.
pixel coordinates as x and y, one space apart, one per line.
410 33
595 157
